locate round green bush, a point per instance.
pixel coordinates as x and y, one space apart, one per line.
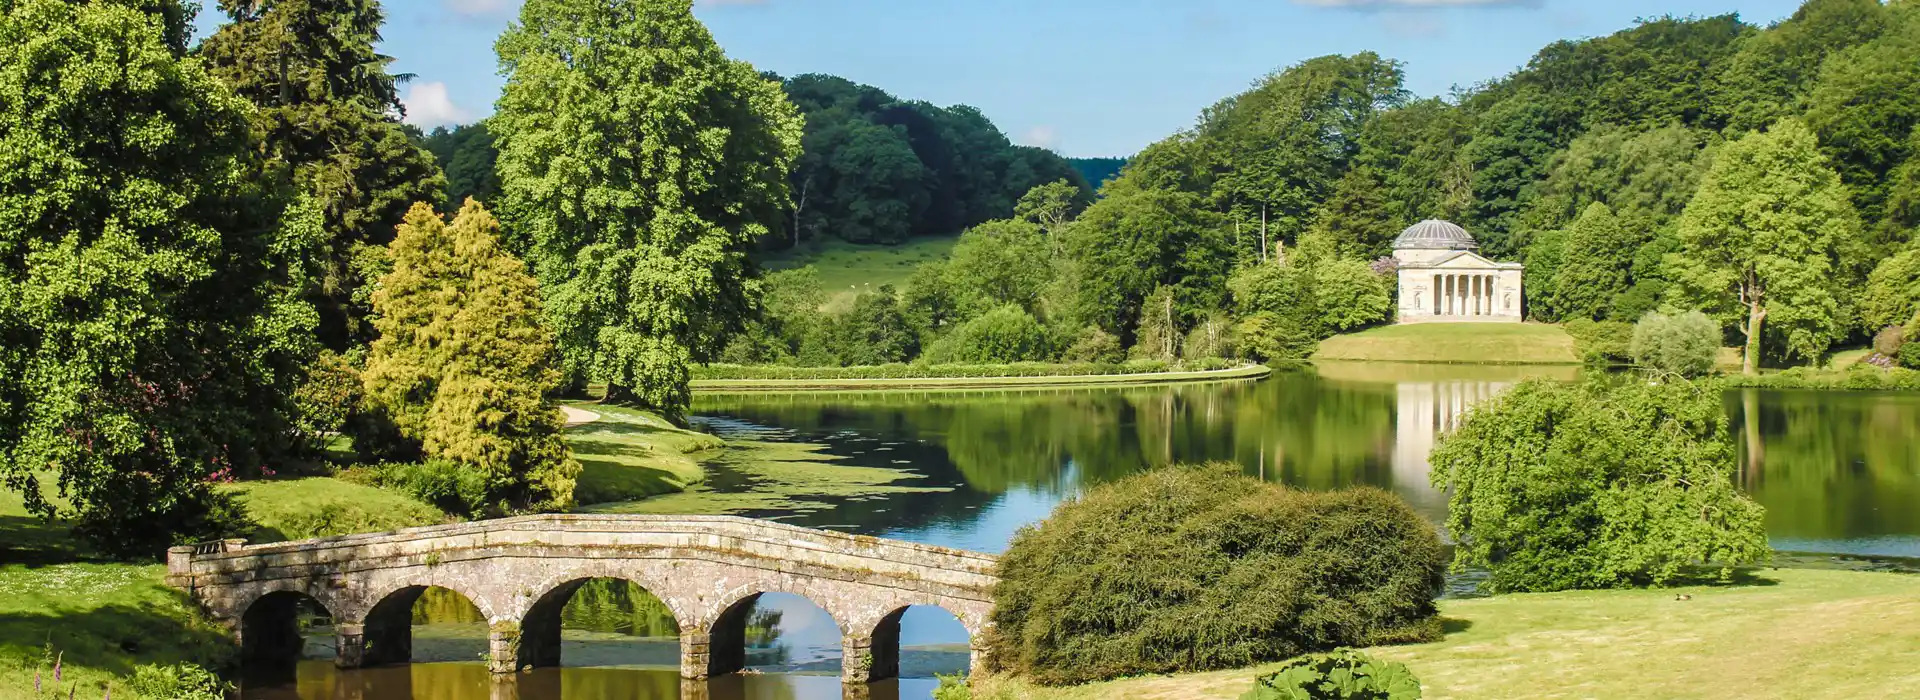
1202 568
1685 343
1003 335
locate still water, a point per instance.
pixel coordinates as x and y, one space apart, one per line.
1839 473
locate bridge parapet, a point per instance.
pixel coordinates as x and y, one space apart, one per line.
520 571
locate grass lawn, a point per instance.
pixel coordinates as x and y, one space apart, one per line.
1455 343
1798 634
846 269
102 618
296 509
630 454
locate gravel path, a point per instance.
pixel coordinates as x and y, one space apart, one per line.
576 416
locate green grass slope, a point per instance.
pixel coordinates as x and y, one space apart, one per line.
1794 634
630 454
1455 343
296 509
847 269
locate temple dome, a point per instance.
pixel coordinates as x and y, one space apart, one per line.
1434 234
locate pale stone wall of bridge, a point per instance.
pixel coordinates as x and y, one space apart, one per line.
520 572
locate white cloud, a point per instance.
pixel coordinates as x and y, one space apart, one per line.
1043 136
1403 4
428 106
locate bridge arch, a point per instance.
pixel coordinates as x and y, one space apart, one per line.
387 626
541 623
727 629
883 636
270 624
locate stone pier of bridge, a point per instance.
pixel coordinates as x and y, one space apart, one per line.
520 572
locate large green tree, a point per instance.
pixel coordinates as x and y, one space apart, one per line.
330 114
1864 106
1770 238
1558 486
641 164
151 338
1594 265
464 361
1770 74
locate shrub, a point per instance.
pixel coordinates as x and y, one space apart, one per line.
1211 338
177 682
1199 568
1601 342
1597 485
1350 294
1094 346
1267 336
1343 674
949 371
1889 341
1685 344
952 687
439 483
1003 335
325 399
1909 356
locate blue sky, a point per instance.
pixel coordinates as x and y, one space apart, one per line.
1084 77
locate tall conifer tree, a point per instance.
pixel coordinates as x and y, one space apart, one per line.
463 361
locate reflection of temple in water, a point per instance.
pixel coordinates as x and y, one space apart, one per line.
1425 412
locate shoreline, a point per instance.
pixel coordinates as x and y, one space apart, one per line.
733 386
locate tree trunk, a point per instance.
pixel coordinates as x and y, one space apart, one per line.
1263 233
1750 363
798 207
1750 417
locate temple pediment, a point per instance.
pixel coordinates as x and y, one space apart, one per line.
1462 260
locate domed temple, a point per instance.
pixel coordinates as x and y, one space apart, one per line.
1443 279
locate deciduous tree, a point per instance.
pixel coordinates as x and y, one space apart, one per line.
641 163
153 336
1770 238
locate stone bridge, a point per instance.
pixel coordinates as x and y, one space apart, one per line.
520 572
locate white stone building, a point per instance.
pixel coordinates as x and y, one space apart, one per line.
1442 279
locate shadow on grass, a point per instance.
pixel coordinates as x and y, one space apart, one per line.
36 542
116 638
608 481
1454 625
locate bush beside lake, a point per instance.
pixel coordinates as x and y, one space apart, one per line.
955 371
1200 568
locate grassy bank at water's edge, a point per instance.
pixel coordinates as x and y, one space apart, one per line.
1026 375
1792 633
1455 343
629 454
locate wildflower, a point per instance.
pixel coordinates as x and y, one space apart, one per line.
56 666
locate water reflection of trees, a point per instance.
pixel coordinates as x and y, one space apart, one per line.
1831 464
615 606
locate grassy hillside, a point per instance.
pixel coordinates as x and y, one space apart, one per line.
846 269
1780 637
1459 343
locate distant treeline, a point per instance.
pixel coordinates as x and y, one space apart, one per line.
874 169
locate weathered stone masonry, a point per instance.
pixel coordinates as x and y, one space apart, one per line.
520 572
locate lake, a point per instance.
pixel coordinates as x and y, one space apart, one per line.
1839 474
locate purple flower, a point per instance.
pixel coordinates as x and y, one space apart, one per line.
36 681
56 666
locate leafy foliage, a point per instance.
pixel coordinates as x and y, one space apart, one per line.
1892 294
177 682
1343 674
1601 342
463 363
1685 344
147 279
644 271
1595 486
1002 336
1198 568
467 155
330 114
878 169
1771 237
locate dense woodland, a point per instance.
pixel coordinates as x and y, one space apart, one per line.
873 168
1764 175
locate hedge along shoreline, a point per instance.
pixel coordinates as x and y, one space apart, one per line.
1860 377
738 378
